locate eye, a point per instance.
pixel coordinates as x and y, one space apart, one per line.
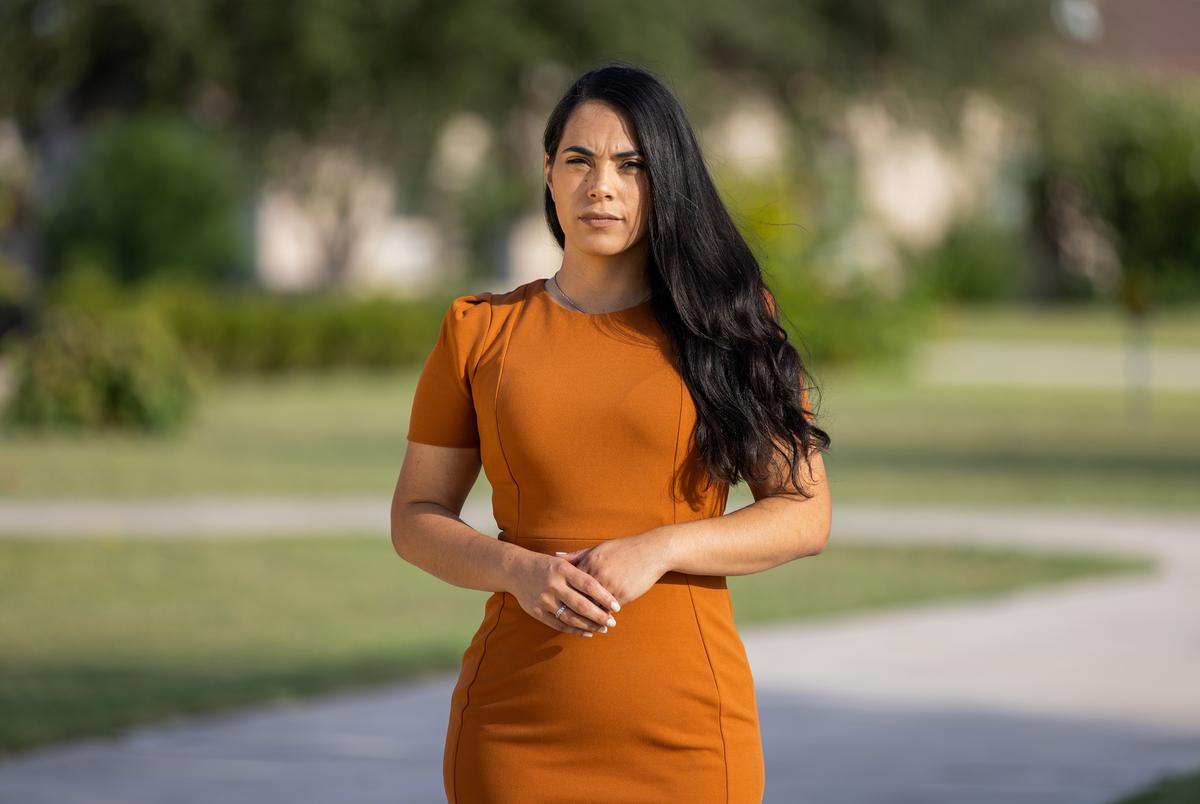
576 159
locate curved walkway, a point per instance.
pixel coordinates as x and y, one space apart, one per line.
1071 694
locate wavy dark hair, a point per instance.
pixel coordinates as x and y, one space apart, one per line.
747 381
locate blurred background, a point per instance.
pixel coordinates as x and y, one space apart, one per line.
230 230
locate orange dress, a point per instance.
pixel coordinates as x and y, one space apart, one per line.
582 424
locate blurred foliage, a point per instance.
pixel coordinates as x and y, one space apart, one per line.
13 285
249 331
97 365
382 78
834 311
316 67
1127 149
14 296
979 259
154 196
1180 787
238 332
854 322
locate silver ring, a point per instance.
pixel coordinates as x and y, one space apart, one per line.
561 609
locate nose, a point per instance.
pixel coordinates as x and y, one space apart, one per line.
600 186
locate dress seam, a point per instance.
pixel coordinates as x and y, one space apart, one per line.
509 324
692 599
716 685
467 695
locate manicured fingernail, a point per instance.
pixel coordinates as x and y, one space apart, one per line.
604 629
616 606
611 621
587 633
559 553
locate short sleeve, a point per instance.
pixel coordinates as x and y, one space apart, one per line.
443 408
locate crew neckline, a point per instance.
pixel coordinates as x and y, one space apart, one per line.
556 303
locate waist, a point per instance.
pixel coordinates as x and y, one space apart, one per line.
551 544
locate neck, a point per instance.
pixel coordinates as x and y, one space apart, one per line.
603 282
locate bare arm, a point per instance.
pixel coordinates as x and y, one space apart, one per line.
426 528
776 528
428 533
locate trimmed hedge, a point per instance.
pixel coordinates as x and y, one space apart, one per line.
260 332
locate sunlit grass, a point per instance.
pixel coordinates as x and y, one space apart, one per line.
893 442
341 433
99 634
1091 324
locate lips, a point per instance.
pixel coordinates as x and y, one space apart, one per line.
587 216
600 222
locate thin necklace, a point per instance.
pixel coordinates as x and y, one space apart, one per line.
554 279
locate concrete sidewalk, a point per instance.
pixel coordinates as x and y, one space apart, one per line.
1066 695
386 746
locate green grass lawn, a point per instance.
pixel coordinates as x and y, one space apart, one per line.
1090 324
896 442
893 441
100 634
1175 788
308 434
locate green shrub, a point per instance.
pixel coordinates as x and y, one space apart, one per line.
1130 148
14 297
1172 788
792 220
978 260
87 370
854 323
259 332
155 195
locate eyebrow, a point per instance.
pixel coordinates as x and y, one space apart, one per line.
586 152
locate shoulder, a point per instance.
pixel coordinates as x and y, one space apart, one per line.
486 305
465 325
473 318
470 310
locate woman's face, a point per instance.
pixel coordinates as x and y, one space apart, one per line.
598 169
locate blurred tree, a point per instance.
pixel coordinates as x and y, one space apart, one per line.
1124 152
384 76
154 197
1119 160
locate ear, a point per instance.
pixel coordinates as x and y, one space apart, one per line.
546 173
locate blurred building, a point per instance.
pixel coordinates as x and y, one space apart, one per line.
330 220
912 186
333 220
1150 35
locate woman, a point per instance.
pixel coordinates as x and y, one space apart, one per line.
612 405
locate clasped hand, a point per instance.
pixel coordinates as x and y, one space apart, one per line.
626 567
589 581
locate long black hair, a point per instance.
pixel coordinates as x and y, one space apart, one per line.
747 381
